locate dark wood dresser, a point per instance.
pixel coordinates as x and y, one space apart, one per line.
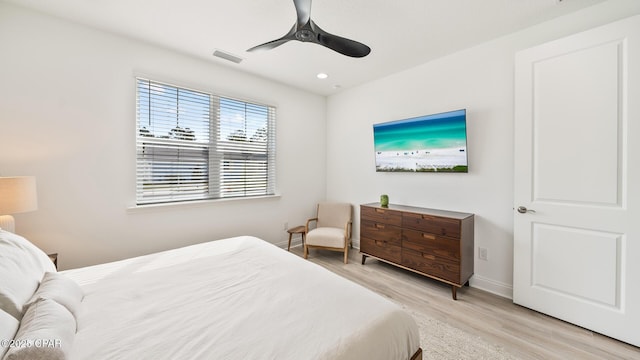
430 242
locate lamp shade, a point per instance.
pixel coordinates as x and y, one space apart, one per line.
18 194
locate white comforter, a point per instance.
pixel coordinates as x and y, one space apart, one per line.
238 298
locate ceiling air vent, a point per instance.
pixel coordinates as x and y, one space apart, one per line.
227 56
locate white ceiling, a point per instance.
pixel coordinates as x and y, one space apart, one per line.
401 33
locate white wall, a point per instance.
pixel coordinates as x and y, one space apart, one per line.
67 116
479 79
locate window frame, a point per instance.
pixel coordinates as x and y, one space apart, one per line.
216 155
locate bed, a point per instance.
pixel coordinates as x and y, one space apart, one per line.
236 298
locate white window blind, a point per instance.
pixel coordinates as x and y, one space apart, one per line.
193 145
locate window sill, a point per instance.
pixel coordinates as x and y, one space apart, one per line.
192 204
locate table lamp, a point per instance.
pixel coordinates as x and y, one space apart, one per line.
17 195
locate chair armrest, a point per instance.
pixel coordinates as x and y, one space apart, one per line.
347 230
306 226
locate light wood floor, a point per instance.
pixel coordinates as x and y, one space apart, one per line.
523 333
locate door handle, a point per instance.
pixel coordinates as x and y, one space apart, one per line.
523 210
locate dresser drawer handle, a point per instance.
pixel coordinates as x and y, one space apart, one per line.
380 211
379 226
429 257
428 236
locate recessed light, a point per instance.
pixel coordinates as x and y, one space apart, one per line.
322 76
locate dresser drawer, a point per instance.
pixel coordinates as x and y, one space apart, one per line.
428 243
386 216
433 265
380 231
381 248
432 224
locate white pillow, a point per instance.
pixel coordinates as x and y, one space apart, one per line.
61 289
22 266
46 332
7 331
38 256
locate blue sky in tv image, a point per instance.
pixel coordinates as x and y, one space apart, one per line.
428 143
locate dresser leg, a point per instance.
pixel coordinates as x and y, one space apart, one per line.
364 257
454 292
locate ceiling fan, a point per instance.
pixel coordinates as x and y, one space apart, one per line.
306 30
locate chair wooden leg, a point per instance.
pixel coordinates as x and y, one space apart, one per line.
346 254
289 246
306 251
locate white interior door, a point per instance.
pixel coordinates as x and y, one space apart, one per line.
577 179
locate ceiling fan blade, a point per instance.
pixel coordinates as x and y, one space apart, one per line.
269 45
275 43
303 9
342 45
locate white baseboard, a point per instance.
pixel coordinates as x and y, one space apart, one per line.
492 286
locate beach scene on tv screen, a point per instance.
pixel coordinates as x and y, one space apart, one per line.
431 143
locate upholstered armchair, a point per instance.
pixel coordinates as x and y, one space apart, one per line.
332 229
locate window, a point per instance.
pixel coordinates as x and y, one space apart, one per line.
193 145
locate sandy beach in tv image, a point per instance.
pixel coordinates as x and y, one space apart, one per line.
432 143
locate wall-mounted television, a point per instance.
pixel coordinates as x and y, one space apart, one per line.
429 143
